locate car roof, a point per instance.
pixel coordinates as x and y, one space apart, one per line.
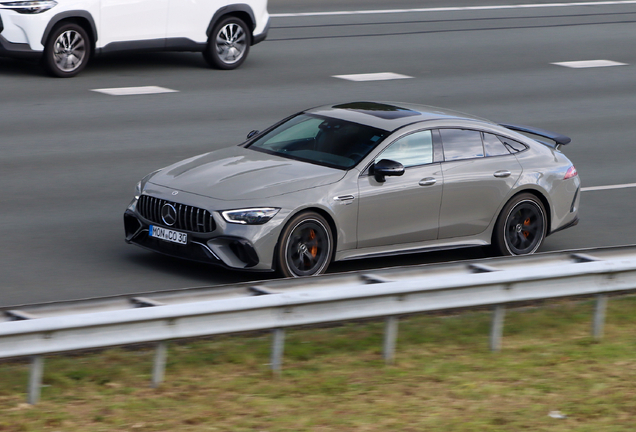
389 116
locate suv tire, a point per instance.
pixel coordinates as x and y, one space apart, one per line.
228 44
67 50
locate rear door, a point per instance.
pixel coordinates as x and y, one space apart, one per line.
402 209
479 172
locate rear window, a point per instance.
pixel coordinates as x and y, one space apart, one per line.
493 146
512 145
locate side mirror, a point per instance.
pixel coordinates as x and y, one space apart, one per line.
252 134
386 167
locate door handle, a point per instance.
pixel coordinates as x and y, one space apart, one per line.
428 181
502 173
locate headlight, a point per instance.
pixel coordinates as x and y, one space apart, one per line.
29 6
252 216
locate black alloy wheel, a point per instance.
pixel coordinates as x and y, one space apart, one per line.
305 246
521 227
67 50
228 44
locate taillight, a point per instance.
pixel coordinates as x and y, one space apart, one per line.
570 173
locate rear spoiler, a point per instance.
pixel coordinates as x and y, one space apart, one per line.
558 139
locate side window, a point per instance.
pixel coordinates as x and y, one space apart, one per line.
411 150
512 145
493 146
461 144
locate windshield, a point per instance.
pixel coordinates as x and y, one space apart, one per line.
320 140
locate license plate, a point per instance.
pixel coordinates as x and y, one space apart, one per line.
168 235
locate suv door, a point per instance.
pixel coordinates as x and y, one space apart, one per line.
402 209
475 181
134 20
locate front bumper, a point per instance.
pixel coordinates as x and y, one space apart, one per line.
227 245
17 50
21 34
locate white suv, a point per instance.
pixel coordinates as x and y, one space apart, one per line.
64 34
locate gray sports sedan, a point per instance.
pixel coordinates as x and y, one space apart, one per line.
357 180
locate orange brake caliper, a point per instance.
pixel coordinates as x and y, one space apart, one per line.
526 223
314 249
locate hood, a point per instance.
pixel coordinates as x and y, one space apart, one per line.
237 173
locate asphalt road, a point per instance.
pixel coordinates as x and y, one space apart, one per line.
70 157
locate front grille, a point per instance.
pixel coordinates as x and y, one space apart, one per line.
188 218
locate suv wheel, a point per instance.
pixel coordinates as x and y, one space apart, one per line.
66 51
228 44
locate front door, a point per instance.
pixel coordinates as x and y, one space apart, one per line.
402 209
133 21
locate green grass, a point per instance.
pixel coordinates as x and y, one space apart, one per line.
334 379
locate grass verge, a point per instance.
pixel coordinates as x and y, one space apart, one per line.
334 379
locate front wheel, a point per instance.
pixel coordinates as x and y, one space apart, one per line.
228 44
521 227
305 246
66 51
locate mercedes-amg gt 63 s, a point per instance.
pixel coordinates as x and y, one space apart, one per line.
357 180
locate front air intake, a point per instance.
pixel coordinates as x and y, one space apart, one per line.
188 218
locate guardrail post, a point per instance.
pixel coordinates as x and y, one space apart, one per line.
496 328
390 337
278 346
599 316
159 364
35 379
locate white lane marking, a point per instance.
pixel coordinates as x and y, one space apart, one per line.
382 76
608 187
453 9
589 64
126 91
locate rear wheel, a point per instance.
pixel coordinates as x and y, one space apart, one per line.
521 227
305 246
228 44
66 51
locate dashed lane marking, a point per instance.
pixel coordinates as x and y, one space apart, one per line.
589 64
608 187
382 76
127 91
453 9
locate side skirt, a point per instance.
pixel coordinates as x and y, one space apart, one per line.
409 248
172 44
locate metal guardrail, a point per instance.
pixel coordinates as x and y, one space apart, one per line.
506 283
240 290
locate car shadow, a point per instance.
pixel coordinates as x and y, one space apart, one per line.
208 274
16 67
205 274
414 259
114 63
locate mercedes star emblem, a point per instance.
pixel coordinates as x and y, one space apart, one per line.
168 214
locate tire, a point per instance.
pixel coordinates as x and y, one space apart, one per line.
228 45
67 51
305 246
521 226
